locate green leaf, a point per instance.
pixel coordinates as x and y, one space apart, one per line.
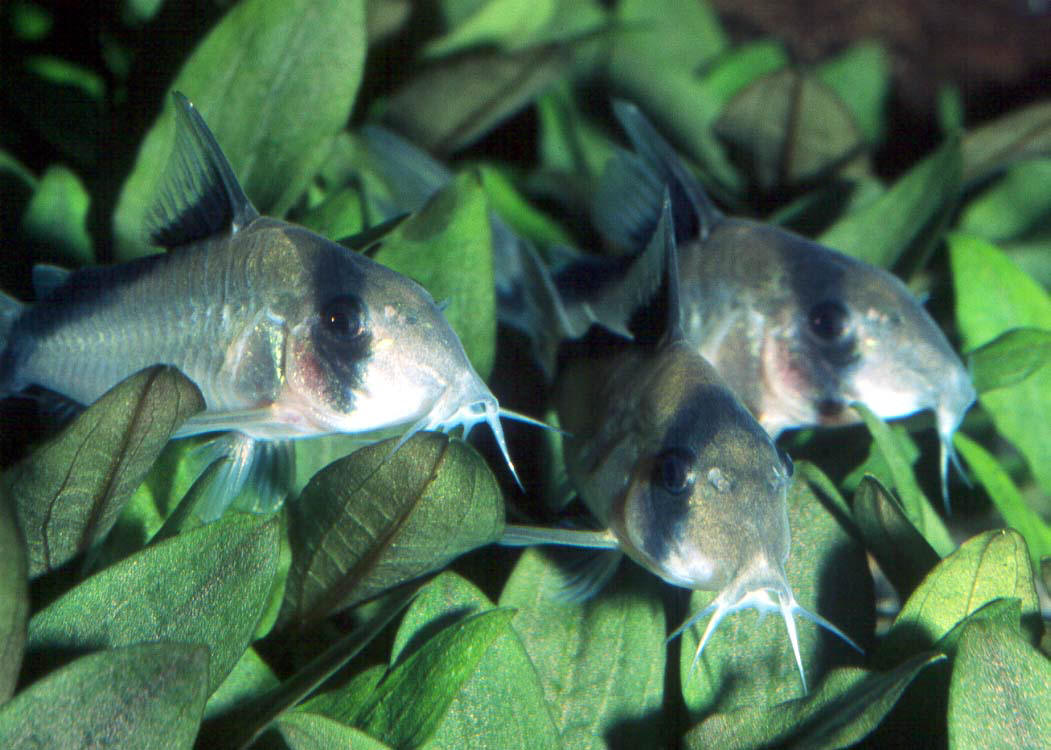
250 678
1010 358
447 247
1000 690
1006 497
1013 205
1018 134
30 22
61 72
410 702
1005 612
750 663
523 219
14 600
56 218
345 703
273 81
861 79
374 520
69 492
503 23
570 144
502 704
917 508
146 696
899 548
992 296
788 127
989 566
306 731
207 587
601 662
845 708
889 228
742 65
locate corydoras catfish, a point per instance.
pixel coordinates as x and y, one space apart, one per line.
287 334
665 456
800 330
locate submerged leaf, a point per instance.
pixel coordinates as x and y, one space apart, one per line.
14 600
1010 358
847 706
861 78
207 587
1019 134
1000 690
601 662
374 520
289 75
146 696
306 731
1013 205
56 218
69 492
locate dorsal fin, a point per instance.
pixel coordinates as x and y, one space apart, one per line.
659 322
629 197
47 278
199 194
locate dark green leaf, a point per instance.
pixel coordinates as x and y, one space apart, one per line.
901 551
750 663
845 708
601 662
56 218
1021 133
207 587
374 520
1005 612
386 18
861 78
742 65
887 229
447 247
410 702
525 220
145 696
61 72
993 565
306 731
1010 358
345 704
501 23
30 22
1000 690
14 600
1006 497
68 494
140 11
993 296
502 704
788 127
570 144
1013 205
273 81
250 678
915 504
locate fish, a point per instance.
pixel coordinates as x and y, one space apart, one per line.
287 334
801 331
672 464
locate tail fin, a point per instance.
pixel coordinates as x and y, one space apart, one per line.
10 310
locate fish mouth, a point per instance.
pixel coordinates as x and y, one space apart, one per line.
765 589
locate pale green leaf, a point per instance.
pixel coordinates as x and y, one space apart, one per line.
306 731
1010 358
56 218
14 600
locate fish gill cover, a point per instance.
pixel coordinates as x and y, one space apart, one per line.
372 610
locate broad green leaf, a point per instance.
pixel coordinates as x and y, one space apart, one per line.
386 17
273 81
915 504
146 696
30 22
344 704
821 482
742 65
1006 497
454 101
899 548
447 247
56 218
1018 134
570 144
502 704
993 296
989 566
409 704
1004 612
14 600
1000 690
374 520
305 731
61 72
139 11
69 492
1015 204
751 663
665 34
207 587
1010 358
601 662
788 127
503 23
525 220
340 215
861 79
250 678
888 229
843 710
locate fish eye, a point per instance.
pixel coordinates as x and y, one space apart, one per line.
790 467
673 472
828 320
343 317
